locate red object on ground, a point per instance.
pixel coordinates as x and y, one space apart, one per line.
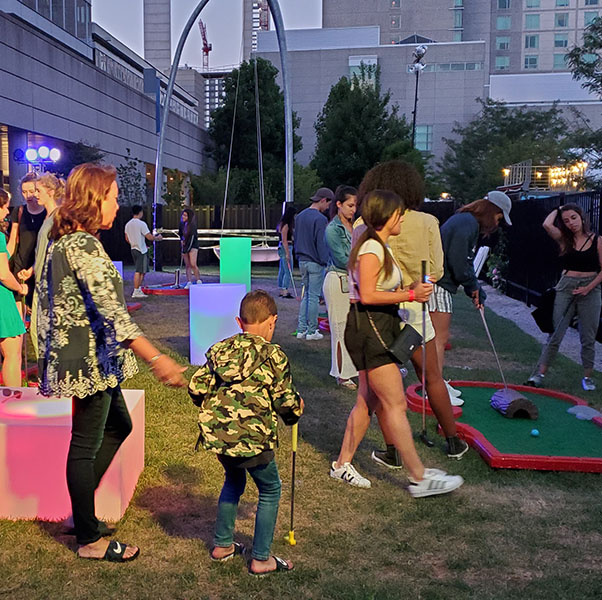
448 346
168 290
323 324
134 306
500 460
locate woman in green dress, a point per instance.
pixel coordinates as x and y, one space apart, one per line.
11 324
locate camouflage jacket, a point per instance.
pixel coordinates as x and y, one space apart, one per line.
244 386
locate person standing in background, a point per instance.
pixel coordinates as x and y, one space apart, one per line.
190 245
312 253
285 251
136 234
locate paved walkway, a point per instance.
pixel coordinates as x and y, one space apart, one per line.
520 314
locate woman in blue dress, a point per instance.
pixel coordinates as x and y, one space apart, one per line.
11 324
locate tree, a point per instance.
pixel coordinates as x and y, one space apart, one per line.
497 137
585 61
271 111
75 154
354 128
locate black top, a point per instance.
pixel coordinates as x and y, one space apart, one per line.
583 261
29 225
189 237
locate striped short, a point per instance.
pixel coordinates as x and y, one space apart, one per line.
440 300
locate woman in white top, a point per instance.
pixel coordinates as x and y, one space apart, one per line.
375 292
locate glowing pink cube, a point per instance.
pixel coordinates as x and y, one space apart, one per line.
34 441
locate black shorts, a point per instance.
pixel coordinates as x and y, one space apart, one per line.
140 261
364 347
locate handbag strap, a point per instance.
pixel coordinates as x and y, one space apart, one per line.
380 339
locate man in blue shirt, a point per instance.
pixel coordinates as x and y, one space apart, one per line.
312 253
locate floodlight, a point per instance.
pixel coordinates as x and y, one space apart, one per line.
55 154
31 154
43 152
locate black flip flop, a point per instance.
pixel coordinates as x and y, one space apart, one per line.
238 549
115 553
281 565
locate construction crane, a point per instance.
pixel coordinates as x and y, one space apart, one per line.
207 47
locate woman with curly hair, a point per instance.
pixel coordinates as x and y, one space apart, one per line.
86 338
190 245
577 292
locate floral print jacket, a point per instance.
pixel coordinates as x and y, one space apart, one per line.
82 320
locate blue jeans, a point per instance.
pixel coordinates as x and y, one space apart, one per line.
268 484
312 278
284 272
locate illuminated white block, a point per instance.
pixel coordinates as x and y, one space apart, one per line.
213 309
34 441
119 266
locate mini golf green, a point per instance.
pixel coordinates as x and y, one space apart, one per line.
564 442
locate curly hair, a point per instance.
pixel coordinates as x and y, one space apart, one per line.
4 197
87 187
485 213
398 177
379 207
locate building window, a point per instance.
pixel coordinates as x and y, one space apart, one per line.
561 40
503 4
457 36
562 2
70 16
58 14
424 138
531 41
532 4
589 18
30 3
561 20
365 64
44 8
503 23
395 22
502 43
591 2
560 61
530 62
82 21
458 3
458 19
395 3
502 63
531 21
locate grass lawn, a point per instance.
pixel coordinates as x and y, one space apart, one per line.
504 534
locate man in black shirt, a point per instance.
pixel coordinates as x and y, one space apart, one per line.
29 218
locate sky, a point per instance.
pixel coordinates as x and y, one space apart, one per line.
223 18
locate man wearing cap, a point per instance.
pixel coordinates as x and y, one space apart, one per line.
312 254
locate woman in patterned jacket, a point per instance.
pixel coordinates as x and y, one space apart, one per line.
86 338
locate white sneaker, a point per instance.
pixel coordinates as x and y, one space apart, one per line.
348 474
536 380
138 293
434 482
300 336
198 282
588 384
454 395
187 286
316 335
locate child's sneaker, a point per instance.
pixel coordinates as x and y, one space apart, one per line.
138 293
300 335
385 458
434 482
456 448
588 384
348 474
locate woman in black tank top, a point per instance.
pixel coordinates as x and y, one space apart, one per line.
577 292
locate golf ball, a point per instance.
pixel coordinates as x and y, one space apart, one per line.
535 432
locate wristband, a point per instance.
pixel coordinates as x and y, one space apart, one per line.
155 358
412 296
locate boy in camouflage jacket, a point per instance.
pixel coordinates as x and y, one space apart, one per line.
244 386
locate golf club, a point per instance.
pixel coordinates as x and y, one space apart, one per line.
290 272
290 538
423 436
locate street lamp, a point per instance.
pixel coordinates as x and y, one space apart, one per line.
417 68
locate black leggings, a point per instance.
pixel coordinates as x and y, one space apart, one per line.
101 422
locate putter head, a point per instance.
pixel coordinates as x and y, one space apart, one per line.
425 440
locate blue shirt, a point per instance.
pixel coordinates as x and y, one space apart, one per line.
310 244
338 240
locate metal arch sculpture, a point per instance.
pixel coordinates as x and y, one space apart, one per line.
288 113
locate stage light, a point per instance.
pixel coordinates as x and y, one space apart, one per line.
43 152
31 154
55 154
18 155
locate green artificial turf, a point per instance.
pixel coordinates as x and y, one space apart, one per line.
560 433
